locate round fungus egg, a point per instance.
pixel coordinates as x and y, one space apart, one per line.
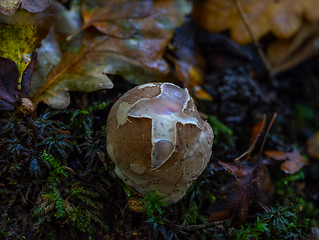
157 140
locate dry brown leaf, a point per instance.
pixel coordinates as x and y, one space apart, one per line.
283 18
294 161
116 17
122 18
84 62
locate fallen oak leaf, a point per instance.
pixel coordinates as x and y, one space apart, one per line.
49 53
251 183
32 6
76 72
58 72
67 21
294 161
20 35
116 18
89 57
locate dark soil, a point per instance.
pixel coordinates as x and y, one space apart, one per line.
243 91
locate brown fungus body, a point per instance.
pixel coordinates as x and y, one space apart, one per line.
157 140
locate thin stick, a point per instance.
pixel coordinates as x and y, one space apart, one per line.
92 185
246 22
270 124
204 225
252 145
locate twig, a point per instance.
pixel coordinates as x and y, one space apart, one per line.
252 145
92 185
246 22
204 225
270 124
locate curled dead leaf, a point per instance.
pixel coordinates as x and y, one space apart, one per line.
294 161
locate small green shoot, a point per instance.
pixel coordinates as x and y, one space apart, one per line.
278 219
154 203
252 232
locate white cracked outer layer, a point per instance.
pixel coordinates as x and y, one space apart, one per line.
179 143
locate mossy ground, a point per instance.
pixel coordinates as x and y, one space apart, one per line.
57 181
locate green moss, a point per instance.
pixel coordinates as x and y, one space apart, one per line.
252 232
58 181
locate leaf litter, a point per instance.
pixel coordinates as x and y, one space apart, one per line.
294 161
64 64
89 57
251 183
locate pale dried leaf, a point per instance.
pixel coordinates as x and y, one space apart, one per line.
286 53
283 18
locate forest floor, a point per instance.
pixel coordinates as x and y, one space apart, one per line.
58 182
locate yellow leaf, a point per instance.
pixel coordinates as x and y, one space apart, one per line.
20 35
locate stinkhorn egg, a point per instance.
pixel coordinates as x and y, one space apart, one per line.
157 140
